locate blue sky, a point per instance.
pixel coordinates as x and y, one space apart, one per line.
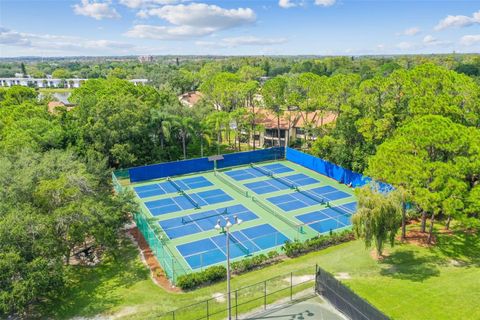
251 27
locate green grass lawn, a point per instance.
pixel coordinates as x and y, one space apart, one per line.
411 283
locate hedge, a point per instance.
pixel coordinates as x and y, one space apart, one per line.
296 248
207 276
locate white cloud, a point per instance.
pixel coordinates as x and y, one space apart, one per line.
405 45
458 21
286 4
55 44
325 3
193 20
146 31
204 15
242 41
253 41
135 4
430 40
410 31
96 10
469 40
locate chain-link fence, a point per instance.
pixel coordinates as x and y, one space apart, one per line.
258 296
344 299
165 257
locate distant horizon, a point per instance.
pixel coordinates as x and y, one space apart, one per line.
136 56
237 28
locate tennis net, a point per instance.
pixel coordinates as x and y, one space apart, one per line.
175 185
342 210
235 187
276 214
239 245
262 170
193 202
188 219
271 174
313 196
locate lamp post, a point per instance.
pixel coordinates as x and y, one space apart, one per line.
226 230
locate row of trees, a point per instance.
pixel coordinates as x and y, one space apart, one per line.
54 203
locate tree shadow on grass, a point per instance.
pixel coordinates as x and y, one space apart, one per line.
463 247
94 290
409 265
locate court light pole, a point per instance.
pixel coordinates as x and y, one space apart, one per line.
226 229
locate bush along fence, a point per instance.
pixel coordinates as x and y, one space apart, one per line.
292 249
297 248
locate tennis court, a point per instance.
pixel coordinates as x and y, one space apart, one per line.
280 183
156 189
205 252
251 173
203 221
276 200
330 218
186 202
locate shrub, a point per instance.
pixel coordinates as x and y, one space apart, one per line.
196 279
296 248
249 263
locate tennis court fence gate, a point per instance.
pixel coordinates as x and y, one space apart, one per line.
344 299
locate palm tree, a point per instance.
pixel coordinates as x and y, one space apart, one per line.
217 122
162 121
185 129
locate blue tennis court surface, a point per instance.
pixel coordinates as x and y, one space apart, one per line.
250 173
203 221
301 179
329 219
165 187
292 201
212 250
272 185
329 193
266 186
168 205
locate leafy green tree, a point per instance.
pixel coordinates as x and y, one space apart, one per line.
16 95
274 93
248 73
377 219
61 74
429 157
50 207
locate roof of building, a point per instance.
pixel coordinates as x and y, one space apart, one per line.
190 98
292 119
53 105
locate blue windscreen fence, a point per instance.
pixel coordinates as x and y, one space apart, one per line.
168 169
332 170
241 158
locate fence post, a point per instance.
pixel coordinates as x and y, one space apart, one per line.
265 295
291 286
208 312
173 314
236 304
173 271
